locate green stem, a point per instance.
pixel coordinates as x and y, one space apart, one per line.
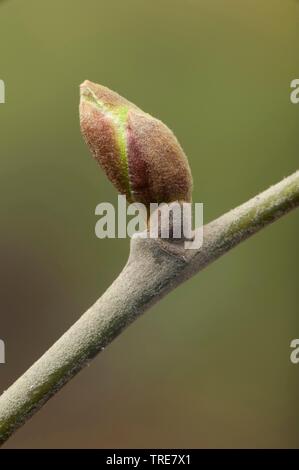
154 268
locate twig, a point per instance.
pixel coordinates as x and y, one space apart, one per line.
154 268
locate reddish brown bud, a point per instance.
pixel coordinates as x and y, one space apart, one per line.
139 154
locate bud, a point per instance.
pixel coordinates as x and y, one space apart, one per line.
139 154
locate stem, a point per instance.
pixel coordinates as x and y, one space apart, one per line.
154 268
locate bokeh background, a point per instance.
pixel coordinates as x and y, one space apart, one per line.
210 365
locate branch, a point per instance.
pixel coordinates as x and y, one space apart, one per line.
154 268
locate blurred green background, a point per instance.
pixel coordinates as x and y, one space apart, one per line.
209 366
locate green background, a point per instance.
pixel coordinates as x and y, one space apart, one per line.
210 365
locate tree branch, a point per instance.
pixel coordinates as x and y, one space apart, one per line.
154 268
